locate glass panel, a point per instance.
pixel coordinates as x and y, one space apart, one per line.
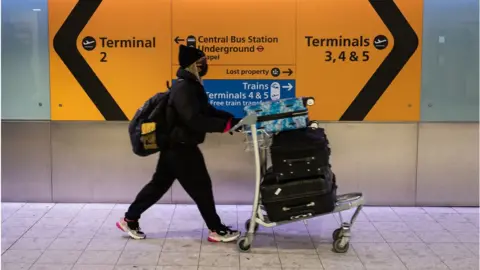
25 60
450 61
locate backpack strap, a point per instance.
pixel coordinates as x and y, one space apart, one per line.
168 83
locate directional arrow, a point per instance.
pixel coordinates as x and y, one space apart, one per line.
289 72
405 45
178 39
65 45
288 87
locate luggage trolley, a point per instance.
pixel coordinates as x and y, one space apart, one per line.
258 141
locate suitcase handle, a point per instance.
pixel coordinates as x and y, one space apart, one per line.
305 215
308 101
297 160
290 208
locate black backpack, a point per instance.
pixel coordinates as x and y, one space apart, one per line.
150 127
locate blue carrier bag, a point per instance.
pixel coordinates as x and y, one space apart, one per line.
281 115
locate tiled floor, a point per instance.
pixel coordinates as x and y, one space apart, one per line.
84 237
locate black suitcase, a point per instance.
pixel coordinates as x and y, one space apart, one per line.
299 153
299 198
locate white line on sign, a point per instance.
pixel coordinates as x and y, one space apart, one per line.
289 87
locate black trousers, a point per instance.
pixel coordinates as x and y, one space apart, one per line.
185 163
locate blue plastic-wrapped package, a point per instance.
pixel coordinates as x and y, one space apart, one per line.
281 115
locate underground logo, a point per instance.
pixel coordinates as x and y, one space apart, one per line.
380 42
89 43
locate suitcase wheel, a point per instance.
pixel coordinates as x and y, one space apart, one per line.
242 244
338 247
247 225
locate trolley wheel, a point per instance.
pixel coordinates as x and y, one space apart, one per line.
247 225
338 248
242 247
310 101
337 234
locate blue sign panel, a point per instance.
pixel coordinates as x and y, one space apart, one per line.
233 95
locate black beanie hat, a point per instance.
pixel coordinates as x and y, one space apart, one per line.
188 55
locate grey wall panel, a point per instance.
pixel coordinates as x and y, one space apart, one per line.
448 165
376 159
26 173
231 170
93 162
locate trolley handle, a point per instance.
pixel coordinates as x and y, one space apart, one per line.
248 120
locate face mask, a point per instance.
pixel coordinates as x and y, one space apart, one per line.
203 68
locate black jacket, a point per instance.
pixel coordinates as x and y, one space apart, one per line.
194 115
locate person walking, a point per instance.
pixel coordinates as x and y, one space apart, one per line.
182 159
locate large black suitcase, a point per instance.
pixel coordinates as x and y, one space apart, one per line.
299 198
299 153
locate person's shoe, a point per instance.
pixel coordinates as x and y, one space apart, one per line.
132 228
223 234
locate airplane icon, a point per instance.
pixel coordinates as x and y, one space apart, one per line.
380 42
89 43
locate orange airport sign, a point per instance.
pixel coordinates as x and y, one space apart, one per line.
107 57
248 32
361 59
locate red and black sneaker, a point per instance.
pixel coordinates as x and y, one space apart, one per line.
131 227
223 234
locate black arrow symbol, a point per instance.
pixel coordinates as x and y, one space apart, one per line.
65 45
178 39
289 72
405 45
